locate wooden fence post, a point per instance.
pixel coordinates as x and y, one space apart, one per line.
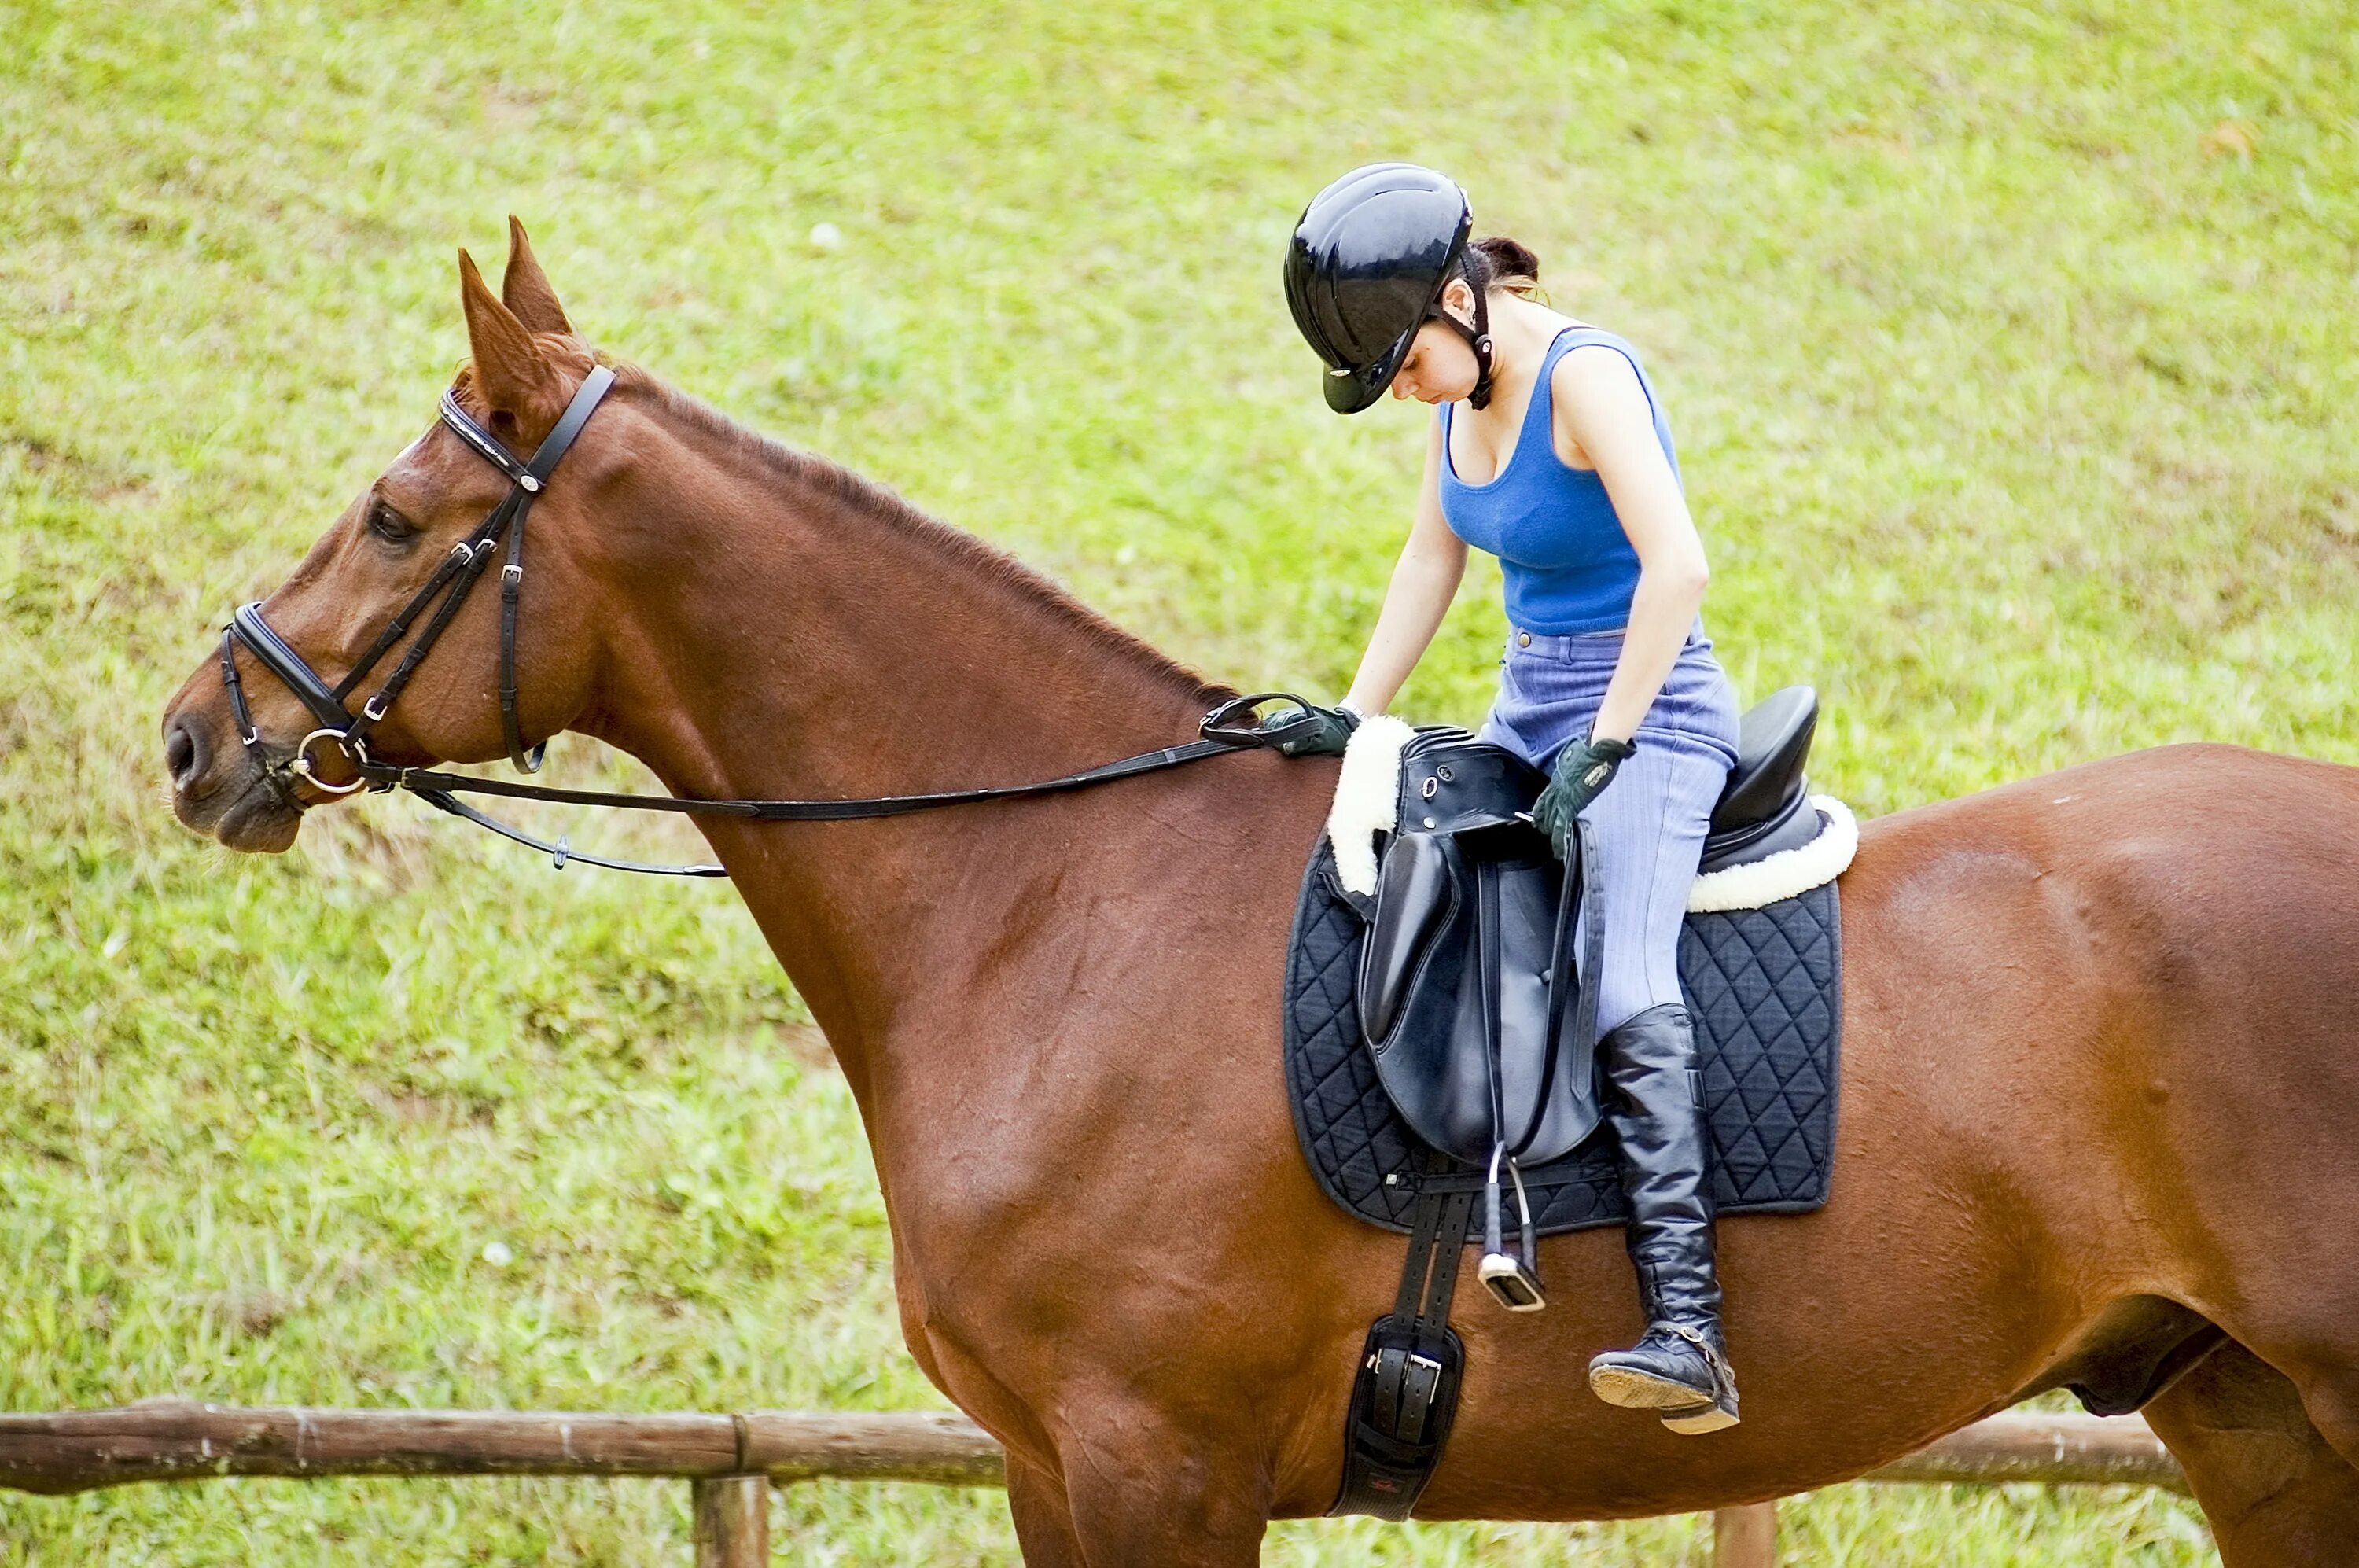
1746 1536
732 1521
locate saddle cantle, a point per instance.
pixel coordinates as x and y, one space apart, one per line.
1760 812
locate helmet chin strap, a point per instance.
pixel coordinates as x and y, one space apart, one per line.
1478 338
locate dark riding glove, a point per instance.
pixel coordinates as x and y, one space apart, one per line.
1583 771
1325 732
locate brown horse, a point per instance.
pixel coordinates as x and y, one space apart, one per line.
2101 1108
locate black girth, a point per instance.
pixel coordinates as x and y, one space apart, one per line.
1229 727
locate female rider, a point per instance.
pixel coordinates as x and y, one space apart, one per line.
1550 450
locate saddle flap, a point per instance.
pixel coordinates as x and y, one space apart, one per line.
1460 998
1420 895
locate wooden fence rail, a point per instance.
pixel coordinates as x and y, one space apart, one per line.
735 1459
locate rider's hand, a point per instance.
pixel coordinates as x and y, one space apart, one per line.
1583 770
1327 734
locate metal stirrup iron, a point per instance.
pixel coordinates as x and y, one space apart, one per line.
1513 1279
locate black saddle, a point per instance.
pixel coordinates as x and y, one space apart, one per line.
1422 1018
1480 1017
1456 992
1460 993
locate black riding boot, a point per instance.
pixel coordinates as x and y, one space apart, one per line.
1679 1366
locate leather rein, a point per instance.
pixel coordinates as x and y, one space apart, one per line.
1230 727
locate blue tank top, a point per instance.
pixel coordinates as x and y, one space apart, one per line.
1569 566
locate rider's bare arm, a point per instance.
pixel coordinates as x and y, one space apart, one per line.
1424 581
1603 420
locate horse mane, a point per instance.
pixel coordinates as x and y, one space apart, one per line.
872 502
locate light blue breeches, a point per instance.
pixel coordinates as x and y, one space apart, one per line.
1649 822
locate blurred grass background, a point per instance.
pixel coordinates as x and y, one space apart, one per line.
2010 348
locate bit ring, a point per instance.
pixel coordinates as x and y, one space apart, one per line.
300 765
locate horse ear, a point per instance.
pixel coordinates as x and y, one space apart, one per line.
522 390
525 288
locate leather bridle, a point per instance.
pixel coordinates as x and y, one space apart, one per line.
444 593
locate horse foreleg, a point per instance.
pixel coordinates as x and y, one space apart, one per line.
1144 1494
2275 1491
1044 1518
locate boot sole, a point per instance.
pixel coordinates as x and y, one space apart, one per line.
1699 1420
1639 1391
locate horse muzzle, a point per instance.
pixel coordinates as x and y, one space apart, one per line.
223 792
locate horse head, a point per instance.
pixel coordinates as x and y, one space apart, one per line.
415 528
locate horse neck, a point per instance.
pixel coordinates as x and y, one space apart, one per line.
783 629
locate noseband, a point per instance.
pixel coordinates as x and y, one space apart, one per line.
1227 728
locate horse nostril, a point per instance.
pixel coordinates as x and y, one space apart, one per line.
184 753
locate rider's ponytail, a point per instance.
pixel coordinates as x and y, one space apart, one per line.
1498 262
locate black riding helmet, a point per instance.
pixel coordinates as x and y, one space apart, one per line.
1365 269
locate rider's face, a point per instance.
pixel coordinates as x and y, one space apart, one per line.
1440 365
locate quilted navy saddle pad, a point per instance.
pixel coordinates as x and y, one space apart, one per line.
1761 984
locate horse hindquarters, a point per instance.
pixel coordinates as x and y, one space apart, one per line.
2273 1489
2242 940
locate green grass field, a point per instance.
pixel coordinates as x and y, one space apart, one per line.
2011 350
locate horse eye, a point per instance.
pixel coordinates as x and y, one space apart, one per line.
390 525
